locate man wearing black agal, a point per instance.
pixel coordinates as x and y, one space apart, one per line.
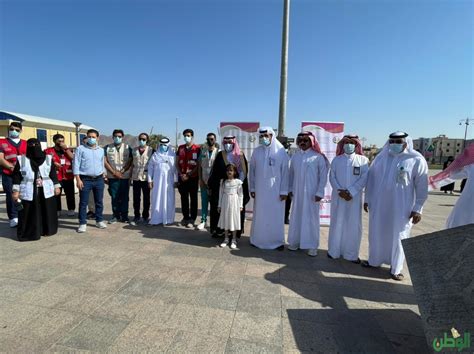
230 154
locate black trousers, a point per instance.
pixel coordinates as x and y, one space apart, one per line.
68 187
140 187
189 191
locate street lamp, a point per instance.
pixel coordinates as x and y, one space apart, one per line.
78 139
284 69
466 122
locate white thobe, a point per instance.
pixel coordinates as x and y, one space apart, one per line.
463 211
348 172
162 172
268 178
395 188
308 177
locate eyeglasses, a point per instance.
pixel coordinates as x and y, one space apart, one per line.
15 129
396 141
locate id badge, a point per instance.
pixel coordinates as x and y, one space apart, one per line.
63 161
356 171
195 155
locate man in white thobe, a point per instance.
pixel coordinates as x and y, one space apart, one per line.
162 177
308 177
348 177
268 177
397 188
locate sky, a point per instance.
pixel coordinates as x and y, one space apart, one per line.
376 65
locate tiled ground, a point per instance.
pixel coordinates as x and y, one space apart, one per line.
172 289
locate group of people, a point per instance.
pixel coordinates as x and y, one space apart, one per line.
392 189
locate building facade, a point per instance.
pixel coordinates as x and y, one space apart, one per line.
438 149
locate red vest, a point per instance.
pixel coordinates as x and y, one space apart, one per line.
65 172
188 159
10 152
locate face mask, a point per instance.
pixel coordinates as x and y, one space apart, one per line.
164 148
142 143
228 147
349 148
396 148
13 134
117 140
265 141
210 142
188 139
91 141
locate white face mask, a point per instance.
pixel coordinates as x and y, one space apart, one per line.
228 147
396 148
188 139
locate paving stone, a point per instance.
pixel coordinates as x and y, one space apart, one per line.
155 312
120 306
259 304
141 287
242 346
225 299
189 342
259 285
12 289
309 336
94 333
260 329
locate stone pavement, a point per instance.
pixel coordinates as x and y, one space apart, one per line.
172 289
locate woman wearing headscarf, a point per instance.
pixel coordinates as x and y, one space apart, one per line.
162 177
231 154
462 167
308 178
35 183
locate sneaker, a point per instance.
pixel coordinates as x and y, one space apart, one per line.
133 222
71 213
293 248
313 252
201 226
189 225
233 245
113 220
125 220
82 228
225 243
184 222
100 225
14 222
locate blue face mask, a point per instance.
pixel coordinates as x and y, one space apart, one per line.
228 147
396 148
265 141
13 134
349 149
91 141
117 140
164 148
142 143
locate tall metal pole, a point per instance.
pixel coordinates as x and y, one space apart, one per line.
466 122
78 139
176 134
284 68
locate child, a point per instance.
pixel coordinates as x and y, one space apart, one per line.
231 203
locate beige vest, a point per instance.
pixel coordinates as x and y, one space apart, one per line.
117 159
140 163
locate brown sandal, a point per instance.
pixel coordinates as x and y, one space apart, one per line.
397 277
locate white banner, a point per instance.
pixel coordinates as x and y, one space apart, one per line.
328 135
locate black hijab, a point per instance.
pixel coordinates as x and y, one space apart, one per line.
34 153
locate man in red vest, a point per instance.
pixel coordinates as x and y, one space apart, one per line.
62 159
10 148
188 178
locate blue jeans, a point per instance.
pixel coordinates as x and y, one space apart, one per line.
204 204
119 190
7 183
97 187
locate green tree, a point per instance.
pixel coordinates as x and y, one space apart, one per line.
154 140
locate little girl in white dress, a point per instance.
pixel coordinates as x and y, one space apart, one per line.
231 203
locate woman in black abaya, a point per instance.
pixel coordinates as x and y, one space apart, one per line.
38 216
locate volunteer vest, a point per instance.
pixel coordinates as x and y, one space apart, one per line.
188 159
207 162
28 178
65 172
117 159
140 163
11 152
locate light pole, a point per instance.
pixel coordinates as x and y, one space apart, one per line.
78 139
284 69
466 122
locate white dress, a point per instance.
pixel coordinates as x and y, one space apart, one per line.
463 211
231 199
